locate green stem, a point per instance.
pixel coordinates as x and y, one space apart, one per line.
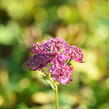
68 63
56 96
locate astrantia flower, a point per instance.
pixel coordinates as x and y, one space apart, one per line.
39 61
75 53
55 45
61 72
58 54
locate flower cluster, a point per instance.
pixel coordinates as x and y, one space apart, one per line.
58 54
39 61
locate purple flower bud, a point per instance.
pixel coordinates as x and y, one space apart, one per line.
39 61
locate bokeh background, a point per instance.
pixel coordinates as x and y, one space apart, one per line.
84 23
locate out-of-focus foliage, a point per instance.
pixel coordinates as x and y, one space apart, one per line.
84 23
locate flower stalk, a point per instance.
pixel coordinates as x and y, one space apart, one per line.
56 96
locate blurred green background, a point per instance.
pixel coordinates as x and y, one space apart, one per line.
84 23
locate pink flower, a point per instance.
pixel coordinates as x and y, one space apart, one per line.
61 73
55 45
60 57
57 53
51 46
75 53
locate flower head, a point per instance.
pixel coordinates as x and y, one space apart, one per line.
55 45
39 61
75 53
57 53
61 73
